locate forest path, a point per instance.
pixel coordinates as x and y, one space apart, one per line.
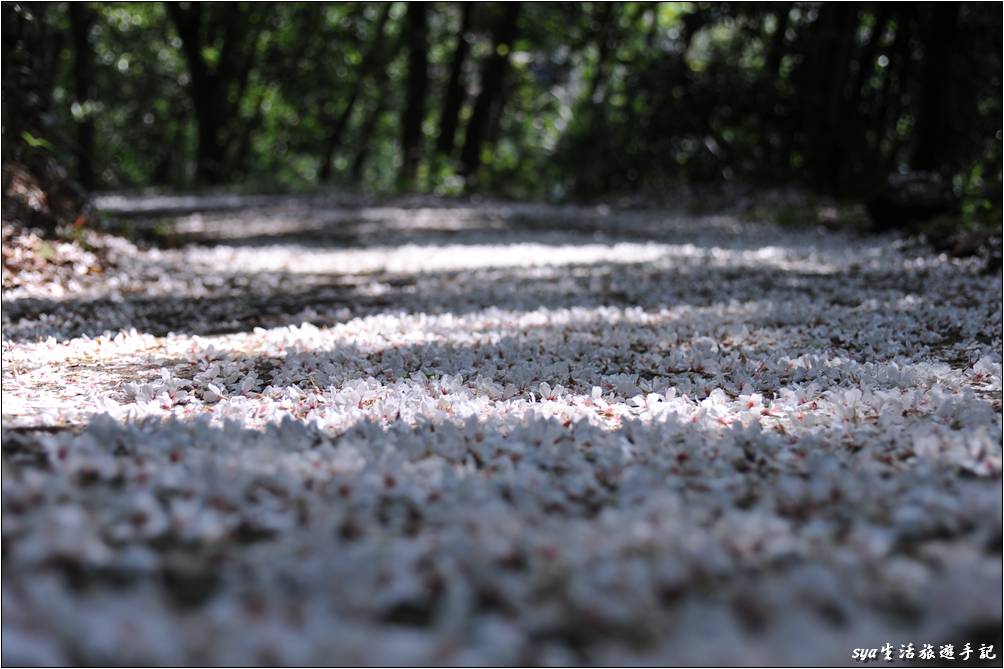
496 433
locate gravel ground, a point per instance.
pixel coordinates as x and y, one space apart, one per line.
497 434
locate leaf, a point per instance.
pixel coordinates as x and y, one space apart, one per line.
35 142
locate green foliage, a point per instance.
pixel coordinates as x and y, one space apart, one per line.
597 98
35 142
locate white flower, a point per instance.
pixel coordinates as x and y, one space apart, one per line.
635 447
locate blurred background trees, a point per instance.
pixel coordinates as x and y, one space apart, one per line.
527 99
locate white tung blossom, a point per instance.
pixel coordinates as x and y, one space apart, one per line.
498 435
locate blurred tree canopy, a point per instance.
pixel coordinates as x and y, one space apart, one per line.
522 99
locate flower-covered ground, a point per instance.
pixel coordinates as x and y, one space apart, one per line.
311 434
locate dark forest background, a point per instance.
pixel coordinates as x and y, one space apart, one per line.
521 99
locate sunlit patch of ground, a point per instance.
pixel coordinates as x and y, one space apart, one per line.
496 435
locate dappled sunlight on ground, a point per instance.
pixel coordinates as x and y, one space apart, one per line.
501 434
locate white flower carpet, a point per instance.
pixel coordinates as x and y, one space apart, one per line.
496 434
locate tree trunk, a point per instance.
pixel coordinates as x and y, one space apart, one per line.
935 103
824 89
418 82
778 43
216 92
365 135
455 90
380 106
81 20
653 29
209 160
202 89
866 61
894 79
373 60
605 41
856 120
492 80
335 138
